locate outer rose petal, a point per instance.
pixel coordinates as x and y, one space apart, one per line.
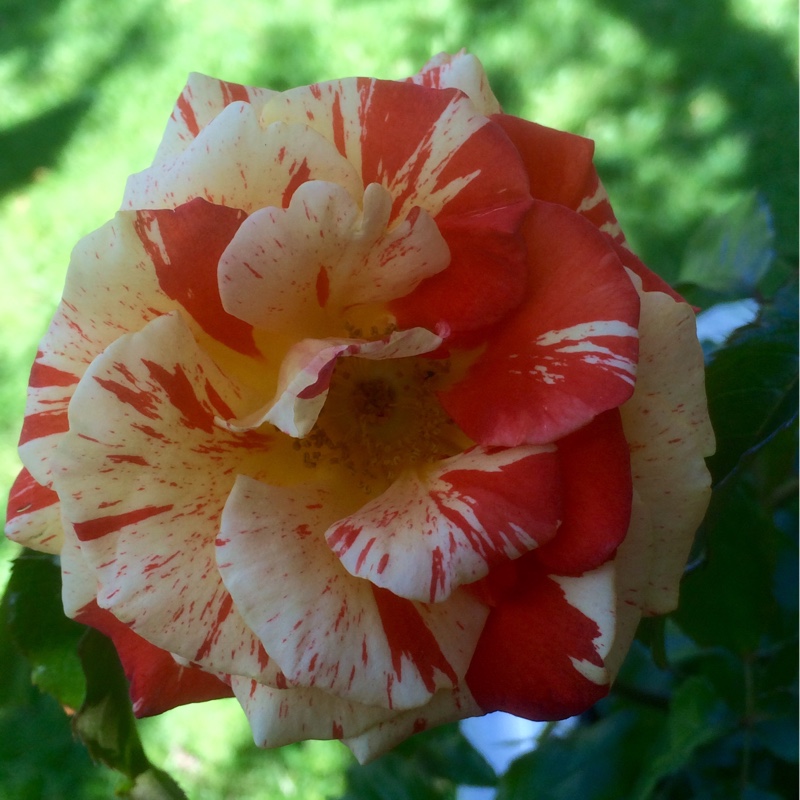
325 628
143 475
237 162
462 71
157 682
282 716
307 264
445 706
120 277
447 525
199 103
561 171
34 518
569 352
667 426
541 653
307 370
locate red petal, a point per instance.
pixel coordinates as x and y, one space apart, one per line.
185 246
523 663
157 682
597 487
33 518
569 352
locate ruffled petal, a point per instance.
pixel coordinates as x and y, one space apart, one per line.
33 518
570 351
237 162
306 374
460 71
307 264
668 429
325 628
143 475
283 716
157 681
431 149
200 102
437 528
540 655
445 706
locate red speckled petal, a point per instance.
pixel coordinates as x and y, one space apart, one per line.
237 162
157 681
306 375
445 706
540 655
325 628
307 264
436 529
143 475
184 246
432 149
201 100
120 277
561 171
597 491
667 426
460 71
569 352
282 716
33 518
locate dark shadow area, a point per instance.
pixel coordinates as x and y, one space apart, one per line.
754 74
33 146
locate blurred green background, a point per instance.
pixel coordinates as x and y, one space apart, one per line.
692 104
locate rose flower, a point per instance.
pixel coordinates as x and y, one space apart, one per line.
362 411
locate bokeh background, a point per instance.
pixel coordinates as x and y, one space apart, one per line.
692 105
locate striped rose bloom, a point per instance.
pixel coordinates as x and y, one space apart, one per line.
361 410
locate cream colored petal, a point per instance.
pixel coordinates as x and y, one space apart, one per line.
667 427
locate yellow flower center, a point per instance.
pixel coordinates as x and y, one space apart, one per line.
381 418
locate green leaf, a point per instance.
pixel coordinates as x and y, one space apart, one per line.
696 716
40 630
427 766
752 383
585 763
730 254
106 724
728 599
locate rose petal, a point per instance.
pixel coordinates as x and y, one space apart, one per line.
461 71
325 628
447 525
633 564
667 427
157 682
283 716
445 706
306 374
597 490
561 171
33 518
237 162
184 246
568 354
143 475
431 149
200 103
540 655
307 264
